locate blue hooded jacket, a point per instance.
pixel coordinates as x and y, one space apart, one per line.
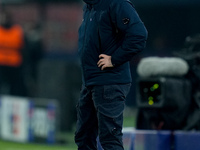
110 27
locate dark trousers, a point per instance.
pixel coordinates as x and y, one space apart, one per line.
100 113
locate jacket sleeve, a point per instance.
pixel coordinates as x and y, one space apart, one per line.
129 23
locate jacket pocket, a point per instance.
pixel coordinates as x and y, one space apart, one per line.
116 92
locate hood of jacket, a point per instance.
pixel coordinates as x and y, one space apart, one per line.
91 2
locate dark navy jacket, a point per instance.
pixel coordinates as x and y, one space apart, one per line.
110 27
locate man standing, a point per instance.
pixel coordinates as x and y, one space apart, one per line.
110 35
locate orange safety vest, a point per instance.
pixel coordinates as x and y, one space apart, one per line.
11 43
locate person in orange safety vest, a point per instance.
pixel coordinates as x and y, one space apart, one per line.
11 57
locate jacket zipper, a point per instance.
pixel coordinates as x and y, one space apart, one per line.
99 37
87 19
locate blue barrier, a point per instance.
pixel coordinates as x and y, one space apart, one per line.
128 138
186 140
145 140
152 140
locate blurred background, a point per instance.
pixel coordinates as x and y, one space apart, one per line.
52 77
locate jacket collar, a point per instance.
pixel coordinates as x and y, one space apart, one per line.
91 2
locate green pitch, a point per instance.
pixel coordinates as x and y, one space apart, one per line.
4 145
67 137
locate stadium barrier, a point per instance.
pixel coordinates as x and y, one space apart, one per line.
186 140
28 120
159 140
144 140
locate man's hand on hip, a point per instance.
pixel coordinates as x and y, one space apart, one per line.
104 62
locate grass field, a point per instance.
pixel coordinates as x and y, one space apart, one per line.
70 145
129 121
17 146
